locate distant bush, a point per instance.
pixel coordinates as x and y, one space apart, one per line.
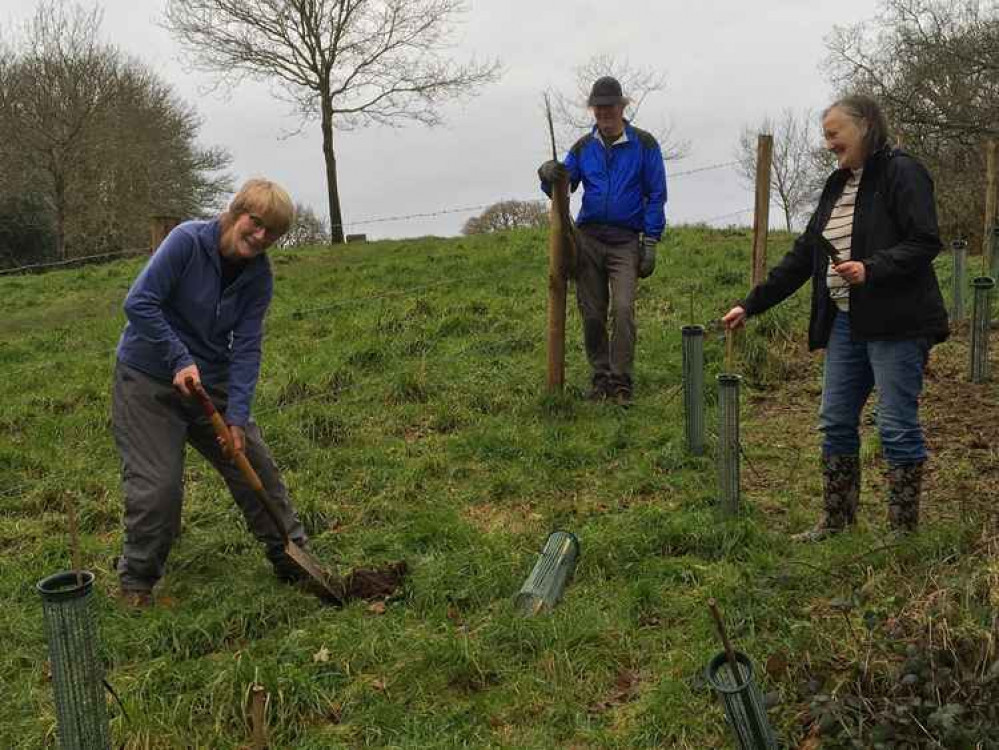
307 229
26 234
508 215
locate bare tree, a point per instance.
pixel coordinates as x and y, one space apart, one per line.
508 215
933 66
933 62
572 115
795 171
94 143
348 63
52 93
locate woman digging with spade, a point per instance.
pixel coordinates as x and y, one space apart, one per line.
196 311
876 308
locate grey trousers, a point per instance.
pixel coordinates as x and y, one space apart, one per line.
152 423
606 277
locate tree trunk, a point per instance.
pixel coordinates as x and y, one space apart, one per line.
336 218
60 216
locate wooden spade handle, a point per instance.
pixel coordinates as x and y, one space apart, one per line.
238 457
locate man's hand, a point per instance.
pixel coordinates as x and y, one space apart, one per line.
552 171
180 377
734 318
852 271
647 257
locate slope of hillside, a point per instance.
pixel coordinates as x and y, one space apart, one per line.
403 395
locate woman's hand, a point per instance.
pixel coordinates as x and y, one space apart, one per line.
852 271
180 380
237 439
734 318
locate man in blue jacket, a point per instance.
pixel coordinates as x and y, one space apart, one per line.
197 311
621 220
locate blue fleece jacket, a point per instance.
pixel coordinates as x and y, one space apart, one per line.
624 185
178 315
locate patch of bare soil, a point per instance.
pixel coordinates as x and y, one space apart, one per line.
375 583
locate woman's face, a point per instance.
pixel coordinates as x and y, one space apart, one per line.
246 238
845 138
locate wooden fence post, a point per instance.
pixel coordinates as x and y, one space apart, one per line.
159 228
557 283
761 217
988 262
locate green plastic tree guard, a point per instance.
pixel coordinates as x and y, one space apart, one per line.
743 703
77 673
728 442
981 325
693 388
551 574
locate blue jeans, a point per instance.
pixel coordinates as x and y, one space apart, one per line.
852 369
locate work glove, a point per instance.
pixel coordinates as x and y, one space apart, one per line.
647 257
551 171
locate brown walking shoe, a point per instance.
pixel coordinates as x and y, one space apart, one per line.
599 389
135 598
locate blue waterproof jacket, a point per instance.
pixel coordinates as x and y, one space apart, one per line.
624 185
178 315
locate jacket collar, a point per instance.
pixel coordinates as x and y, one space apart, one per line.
627 135
211 239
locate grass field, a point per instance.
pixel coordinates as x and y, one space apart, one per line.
403 396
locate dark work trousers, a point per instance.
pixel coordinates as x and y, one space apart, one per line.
606 276
152 423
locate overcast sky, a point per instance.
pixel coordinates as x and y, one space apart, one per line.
729 63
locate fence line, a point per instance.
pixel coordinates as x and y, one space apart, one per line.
71 261
477 207
360 222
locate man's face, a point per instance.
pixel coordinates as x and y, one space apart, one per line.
610 119
247 238
844 138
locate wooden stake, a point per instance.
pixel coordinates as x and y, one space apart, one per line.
551 127
258 701
990 205
729 350
761 217
733 663
74 538
159 228
558 238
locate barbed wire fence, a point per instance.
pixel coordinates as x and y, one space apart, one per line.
367 221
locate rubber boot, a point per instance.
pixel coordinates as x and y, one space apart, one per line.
840 497
905 484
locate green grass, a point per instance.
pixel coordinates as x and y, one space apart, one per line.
403 396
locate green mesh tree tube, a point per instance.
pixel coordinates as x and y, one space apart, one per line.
728 442
743 702
981 323
77 673
693 388
959 249
551 574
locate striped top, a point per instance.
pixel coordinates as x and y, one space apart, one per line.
839 232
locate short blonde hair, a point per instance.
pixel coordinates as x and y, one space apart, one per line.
266 199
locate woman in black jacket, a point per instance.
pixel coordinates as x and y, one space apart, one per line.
876 308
